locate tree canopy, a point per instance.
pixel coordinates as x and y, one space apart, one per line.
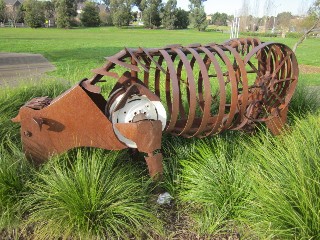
151 13
2 11
196 3
198 16
182 19
66 10
283 20
169 14
219 19
314 18
90 15
121 12
34 13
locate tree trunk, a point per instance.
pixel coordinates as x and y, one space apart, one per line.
304 36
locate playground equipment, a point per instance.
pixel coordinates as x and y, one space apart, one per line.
192 91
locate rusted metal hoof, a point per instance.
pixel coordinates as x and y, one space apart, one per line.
155 166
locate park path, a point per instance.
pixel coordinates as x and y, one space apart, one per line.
15 67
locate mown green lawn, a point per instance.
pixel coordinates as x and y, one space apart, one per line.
75 52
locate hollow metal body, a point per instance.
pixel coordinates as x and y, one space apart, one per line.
204 89
198 77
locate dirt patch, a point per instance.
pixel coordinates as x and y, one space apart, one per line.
15 67
309 69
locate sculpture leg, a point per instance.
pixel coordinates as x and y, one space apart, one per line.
277 124
155 166
147 135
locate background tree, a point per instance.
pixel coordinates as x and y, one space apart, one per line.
106 2
14 14
2 11
134 16
219 19
105 18
198 16
169 14
90 15
283 20
34 13
49 10
244 15
314 18
138 4
255 12
182 19
303 8
268 4
121 12
151 13
66 11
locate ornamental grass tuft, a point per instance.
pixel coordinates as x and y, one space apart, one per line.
15 172
92 195
214 185
285 176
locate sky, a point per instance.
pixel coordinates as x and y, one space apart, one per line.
234 6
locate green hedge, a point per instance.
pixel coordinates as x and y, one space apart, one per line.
258 34
293 35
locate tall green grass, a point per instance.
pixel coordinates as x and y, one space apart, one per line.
11 99
285 175
175 149
15 172
83 194
92 195
215 186
262 186
305 100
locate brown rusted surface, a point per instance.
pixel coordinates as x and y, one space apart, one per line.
155 167
146 134
206 89
71 120
277 123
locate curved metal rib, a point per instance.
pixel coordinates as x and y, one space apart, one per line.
253 81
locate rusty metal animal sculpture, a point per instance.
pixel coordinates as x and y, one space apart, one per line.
192 91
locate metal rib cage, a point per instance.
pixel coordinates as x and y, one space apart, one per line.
214 87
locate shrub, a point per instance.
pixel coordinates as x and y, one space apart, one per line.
90 15
95 197
285 176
